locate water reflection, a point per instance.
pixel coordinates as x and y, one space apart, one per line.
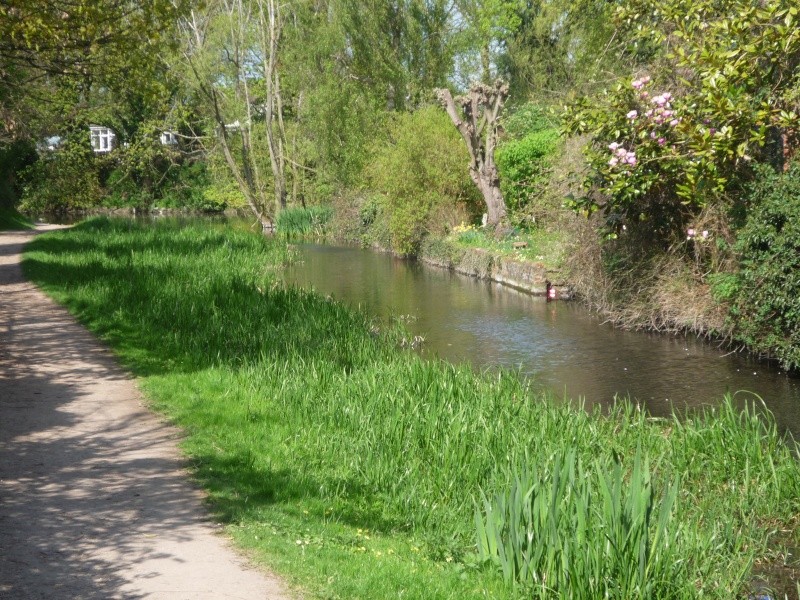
560 344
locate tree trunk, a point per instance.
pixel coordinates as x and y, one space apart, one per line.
270 21
246 174
476 117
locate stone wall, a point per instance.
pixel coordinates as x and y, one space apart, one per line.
531 277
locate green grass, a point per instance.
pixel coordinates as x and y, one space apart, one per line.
543 245
357 470
10 220
298 221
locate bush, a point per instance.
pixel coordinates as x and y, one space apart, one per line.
122 190
63 180
767 310
526 119
719 95
187 186
422 167
523 166
224 196
14 157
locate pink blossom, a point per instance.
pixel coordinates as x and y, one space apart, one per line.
613 162
632 115
646 79
630 158
653 135
645 94
621 152
613 146
674 122
690 233
668 113
637 84
705 234
661 141
649 113
660 100
712 131
667 96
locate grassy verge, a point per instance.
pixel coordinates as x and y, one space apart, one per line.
357 470
10 220
537 245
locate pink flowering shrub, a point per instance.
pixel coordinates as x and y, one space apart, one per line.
720 91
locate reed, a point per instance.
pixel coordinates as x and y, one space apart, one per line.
301 221
360 470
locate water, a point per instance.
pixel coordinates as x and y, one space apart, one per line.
561 345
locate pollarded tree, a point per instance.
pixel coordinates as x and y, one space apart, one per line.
475 115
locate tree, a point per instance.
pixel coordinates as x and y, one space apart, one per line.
232 53
74 46
475 115
556 47
401 49
485 27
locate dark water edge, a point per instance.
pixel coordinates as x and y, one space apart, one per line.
562 346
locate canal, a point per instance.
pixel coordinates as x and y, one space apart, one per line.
560 345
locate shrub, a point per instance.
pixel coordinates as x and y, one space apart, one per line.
222 196
121 190
721 91
188 186
63 180
767 310
526 119
523 167
423 166
14 157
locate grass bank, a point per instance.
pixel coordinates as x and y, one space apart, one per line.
358 470
10 220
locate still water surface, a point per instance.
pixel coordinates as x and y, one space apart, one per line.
560 344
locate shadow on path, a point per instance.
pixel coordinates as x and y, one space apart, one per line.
94 502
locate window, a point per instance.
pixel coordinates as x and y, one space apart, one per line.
102 138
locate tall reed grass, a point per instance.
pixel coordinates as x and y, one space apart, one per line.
325 446
302 221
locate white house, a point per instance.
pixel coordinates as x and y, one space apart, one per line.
103 138
169 138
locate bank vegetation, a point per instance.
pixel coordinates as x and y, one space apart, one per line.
357 469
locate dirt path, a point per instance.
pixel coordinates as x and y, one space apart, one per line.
94 502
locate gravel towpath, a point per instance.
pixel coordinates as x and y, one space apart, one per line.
95 502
